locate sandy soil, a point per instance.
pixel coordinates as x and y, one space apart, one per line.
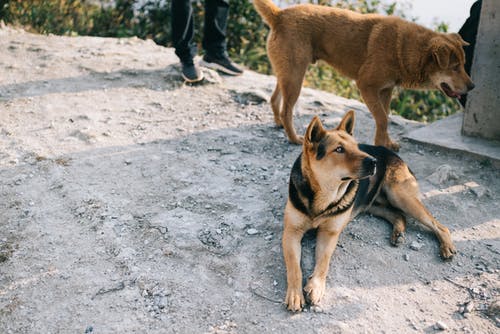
132 203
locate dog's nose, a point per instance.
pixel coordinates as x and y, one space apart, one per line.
470 86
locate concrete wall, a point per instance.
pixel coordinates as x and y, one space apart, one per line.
482 111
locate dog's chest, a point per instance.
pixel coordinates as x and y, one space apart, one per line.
334 224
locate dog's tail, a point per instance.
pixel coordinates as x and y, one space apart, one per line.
268 10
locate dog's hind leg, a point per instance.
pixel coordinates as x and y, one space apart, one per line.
276 105
404 195
394 217
290 84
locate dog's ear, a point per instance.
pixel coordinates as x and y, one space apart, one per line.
315 131
459 39
347 123
441 53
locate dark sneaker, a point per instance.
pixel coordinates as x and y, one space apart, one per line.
222 63
191 72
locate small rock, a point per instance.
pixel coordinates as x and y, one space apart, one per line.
439 325
480 191
252 231
128 162
89 329
406 257
211 77
316 309
442 174
81 210
469 307
162 302
416 246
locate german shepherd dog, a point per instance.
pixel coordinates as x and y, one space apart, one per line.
333 180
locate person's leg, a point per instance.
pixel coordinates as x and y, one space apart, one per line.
183 30
469 33
214 38
214 32
182 37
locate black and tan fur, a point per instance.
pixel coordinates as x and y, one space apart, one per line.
333 180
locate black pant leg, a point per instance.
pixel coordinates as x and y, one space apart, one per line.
469 33
183 30
214 33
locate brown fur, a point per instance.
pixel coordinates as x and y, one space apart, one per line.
379 52
332 181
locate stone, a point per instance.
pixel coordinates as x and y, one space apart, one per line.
440 325
416 246
252 231
442 174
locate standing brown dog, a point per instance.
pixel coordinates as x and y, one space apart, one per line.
332 181
379 52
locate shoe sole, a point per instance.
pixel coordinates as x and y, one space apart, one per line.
218 67
201 77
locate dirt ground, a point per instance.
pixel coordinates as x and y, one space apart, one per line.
132 203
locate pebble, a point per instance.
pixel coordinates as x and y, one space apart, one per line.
252 231
81 210
316 309
416 246
442 174
406 257
480 191
89 329
440 325
162 302
469 307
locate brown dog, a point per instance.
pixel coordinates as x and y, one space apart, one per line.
332 181
379 52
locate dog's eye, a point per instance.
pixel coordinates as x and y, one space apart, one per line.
340 149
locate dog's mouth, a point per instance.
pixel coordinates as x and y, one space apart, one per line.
368 169
448 91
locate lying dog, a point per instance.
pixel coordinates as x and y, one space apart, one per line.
379 52
332 181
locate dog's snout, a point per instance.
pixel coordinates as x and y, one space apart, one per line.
470 86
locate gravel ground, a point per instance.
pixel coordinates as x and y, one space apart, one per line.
132 203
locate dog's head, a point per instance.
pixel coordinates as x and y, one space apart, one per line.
446 70
334 155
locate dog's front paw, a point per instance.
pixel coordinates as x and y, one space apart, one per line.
447 251
294 300
397 238
315 289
